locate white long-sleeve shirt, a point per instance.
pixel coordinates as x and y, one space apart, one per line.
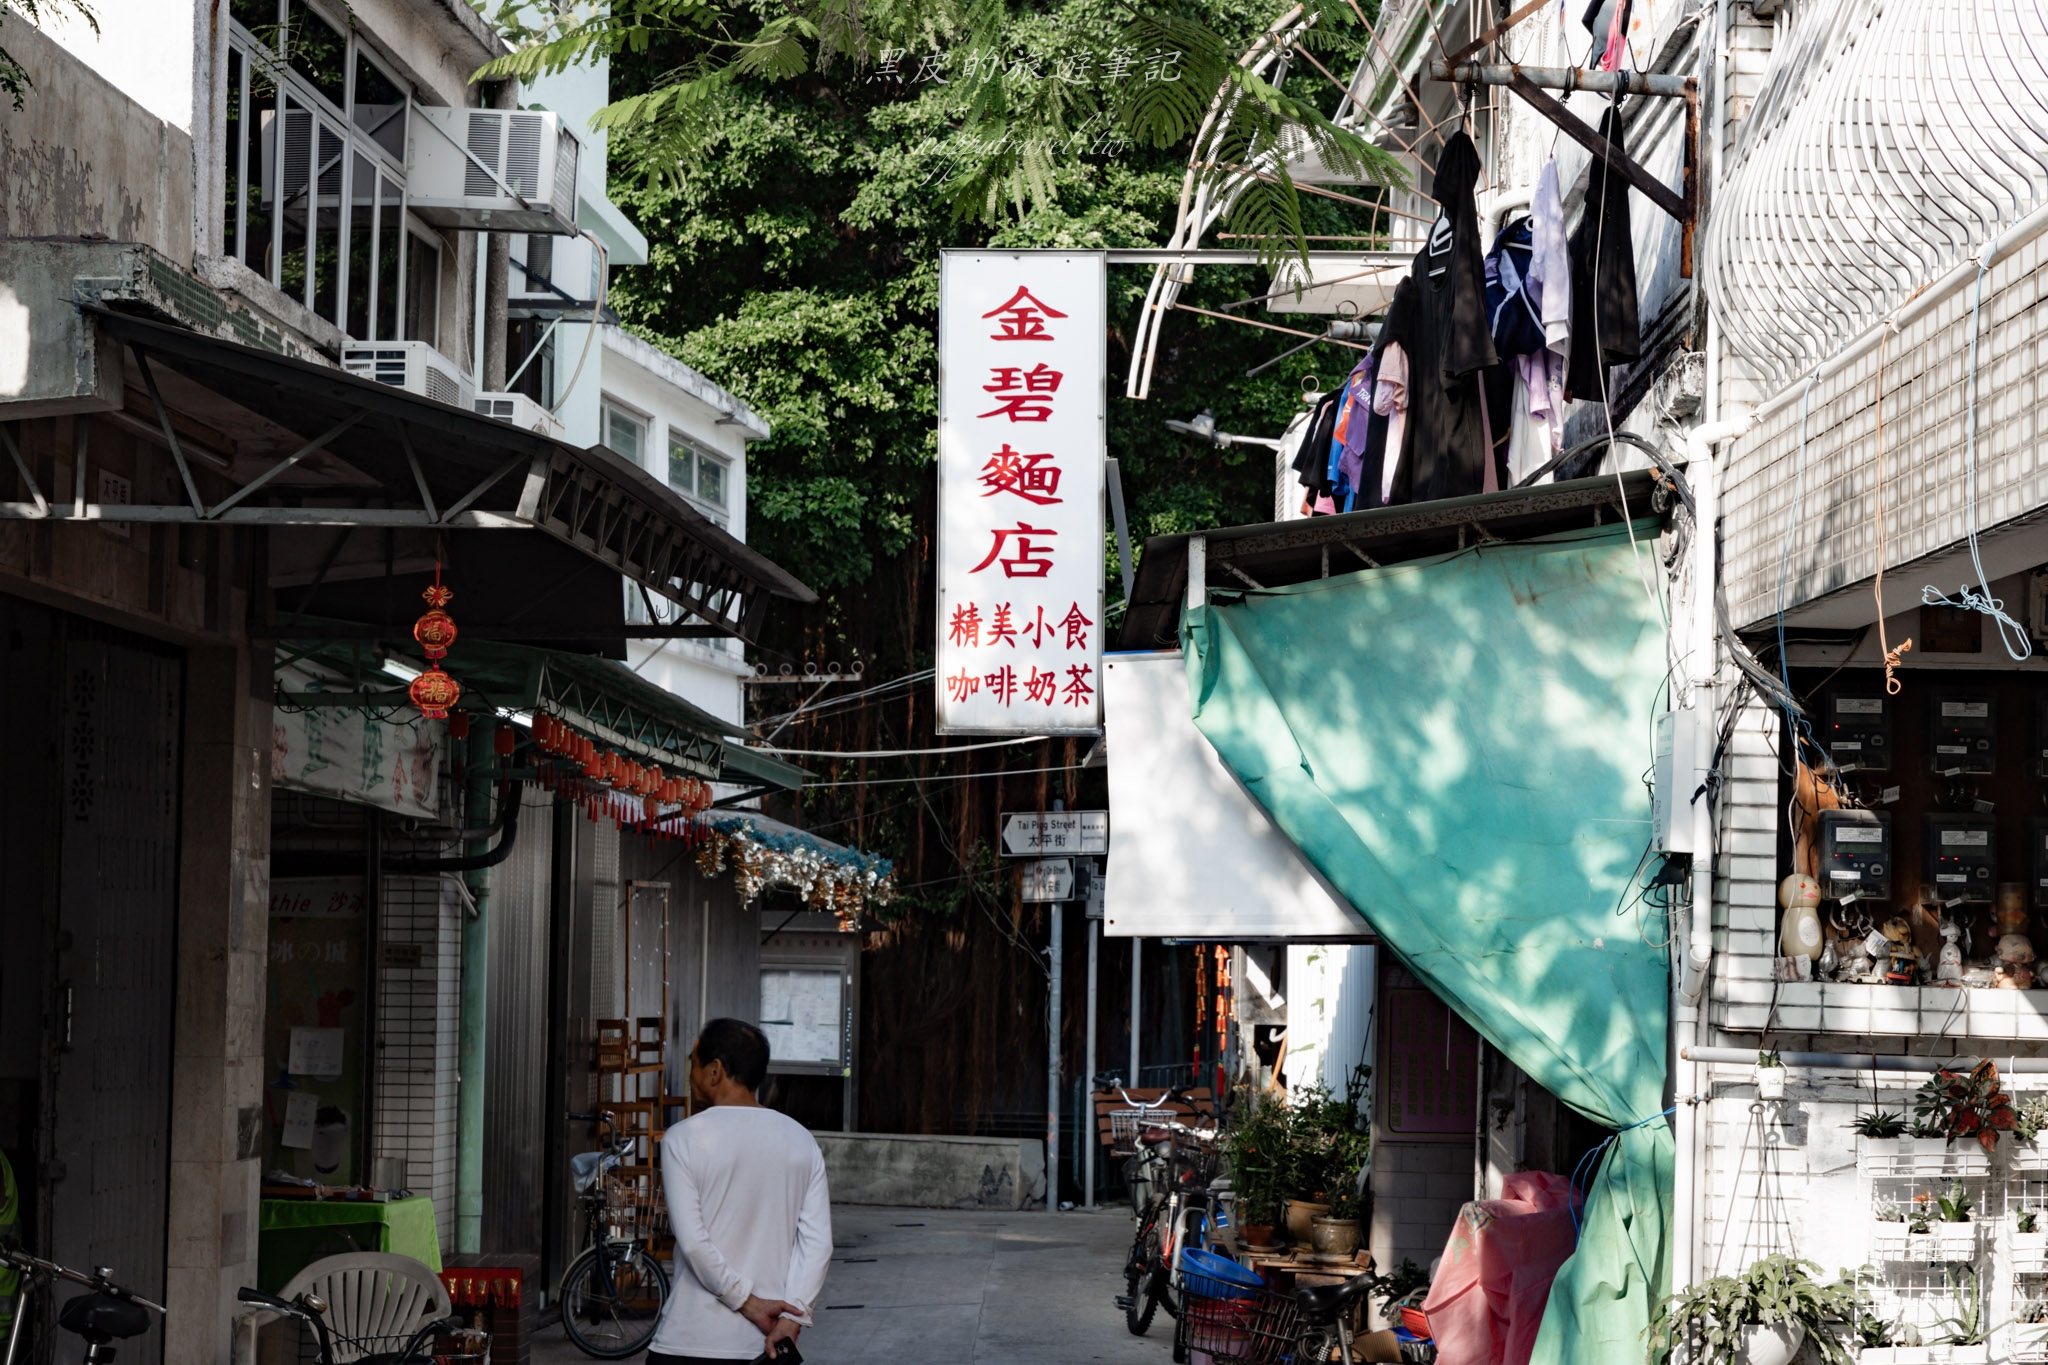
751 1215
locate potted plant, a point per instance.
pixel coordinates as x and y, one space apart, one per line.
1969 1105
1336 1235
1760 1317
1889 1239
1257 1147
1770 1076
2029 1243
1329 1146
1955 1236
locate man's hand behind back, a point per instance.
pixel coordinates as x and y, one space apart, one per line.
785 1329
765 1313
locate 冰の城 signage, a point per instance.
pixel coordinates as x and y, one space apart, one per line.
1022 386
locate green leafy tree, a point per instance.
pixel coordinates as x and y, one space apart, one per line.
14 80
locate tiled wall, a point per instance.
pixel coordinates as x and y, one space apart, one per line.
1417 1190
419 1036
1829 538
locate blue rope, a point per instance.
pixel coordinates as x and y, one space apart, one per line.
1589 1164
1978 599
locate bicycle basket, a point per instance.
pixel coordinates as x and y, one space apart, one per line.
1258 1329
1126 1124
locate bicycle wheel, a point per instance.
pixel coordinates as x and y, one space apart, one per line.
1142 1277
611 1301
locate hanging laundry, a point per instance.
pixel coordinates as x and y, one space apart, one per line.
1390 400
1312 461
1442 330
1605 330
1353 426
1538 427
1607 21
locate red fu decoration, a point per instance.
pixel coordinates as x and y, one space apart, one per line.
434 691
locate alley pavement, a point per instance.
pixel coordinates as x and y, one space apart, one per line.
939 1286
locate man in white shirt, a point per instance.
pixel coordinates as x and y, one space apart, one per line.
749 1208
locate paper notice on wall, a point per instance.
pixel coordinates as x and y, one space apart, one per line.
315 1052
801 1016
339 751
299 1111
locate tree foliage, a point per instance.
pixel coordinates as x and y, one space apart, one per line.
14 79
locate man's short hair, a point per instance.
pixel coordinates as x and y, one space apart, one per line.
742 1048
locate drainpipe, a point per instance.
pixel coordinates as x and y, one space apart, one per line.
1703 477
469 1114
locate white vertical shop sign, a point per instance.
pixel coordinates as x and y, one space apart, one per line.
1023 385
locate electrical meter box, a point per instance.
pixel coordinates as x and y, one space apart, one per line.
1859 732
1960 737
1962 856
2037 861
1855 854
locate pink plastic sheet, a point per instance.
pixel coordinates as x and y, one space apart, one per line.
1487 1298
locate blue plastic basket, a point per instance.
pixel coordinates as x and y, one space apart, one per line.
1217 1277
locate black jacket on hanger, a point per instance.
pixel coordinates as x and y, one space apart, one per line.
1443 330
1312 459
1605 329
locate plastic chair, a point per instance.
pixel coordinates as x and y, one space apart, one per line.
375 1300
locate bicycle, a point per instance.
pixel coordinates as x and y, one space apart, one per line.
1243 1325
336 1348
1176 1166
107 1315
613 1292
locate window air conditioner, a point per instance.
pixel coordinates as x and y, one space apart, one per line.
496 170
520 411
413 366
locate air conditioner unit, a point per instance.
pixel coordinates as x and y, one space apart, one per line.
413 366
495 170
520 411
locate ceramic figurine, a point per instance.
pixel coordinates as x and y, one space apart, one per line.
1902 959
2016 962
2011 914
1799 898
1948 967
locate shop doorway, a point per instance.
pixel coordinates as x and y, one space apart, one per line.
90 908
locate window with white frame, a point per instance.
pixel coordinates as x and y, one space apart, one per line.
315 186
625 431
699 475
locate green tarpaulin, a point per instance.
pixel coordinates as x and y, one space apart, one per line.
1458 745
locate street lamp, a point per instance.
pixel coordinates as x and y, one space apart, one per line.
1203 429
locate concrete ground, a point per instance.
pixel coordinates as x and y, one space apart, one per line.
937 1286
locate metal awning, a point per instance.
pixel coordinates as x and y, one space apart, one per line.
1273 554
309 446
607 701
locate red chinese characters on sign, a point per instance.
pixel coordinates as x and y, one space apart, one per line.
1030 476
971 627
1028 558
1022 395
1022 318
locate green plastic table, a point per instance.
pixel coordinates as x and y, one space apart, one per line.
294 1233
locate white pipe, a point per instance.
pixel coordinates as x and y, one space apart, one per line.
1704 480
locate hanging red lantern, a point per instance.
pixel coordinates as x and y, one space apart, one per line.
434 692
502 742
458 725
435 631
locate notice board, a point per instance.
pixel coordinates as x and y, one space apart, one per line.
1429 1064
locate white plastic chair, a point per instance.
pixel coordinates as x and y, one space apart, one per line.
371 1296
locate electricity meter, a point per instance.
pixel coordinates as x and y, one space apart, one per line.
1962 856
1859 732
2037 860
1959 733
1856 854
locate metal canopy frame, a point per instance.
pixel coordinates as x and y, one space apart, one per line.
435 467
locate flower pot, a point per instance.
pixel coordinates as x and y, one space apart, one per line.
1300 1218
1770 1344
1334 1236
1770 1082
2030 1253
1255 1234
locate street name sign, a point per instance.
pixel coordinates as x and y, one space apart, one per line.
1048 879
1030 833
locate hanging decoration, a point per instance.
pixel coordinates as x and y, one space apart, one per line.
646 799
435 691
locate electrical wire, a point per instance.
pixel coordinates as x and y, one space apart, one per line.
1979 599
849 698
